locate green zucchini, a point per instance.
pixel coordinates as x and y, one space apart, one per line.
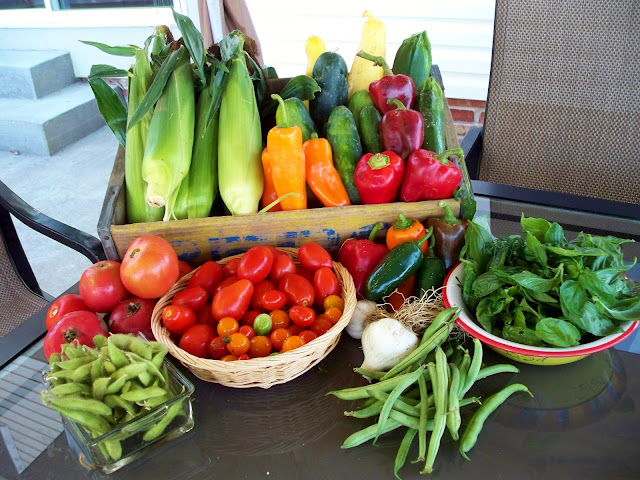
343 137
292 112
330 72
359 100
431 105
413 58
370 130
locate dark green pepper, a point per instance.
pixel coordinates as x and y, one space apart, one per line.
396 266
292 112
431 273
430 104
369 128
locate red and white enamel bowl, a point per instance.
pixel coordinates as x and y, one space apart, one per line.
452 297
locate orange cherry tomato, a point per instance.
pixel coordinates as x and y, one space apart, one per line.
238 344
333 301
291 343
321 325
303 316
308 335
259 346
247 331
229 358
277 338
227 326
279 319
333 314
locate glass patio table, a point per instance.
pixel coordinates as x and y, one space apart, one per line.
583 421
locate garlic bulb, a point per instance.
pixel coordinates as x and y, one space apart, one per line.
364 309
385 342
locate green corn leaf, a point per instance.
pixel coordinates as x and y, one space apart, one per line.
126 51
260 85
111 108
194 42
106 71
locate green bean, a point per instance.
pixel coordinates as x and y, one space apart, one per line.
367 412
367 402
453 413
474 368
86 419
469 400
366 434
463 369
142 394
398 405
116 385
442 318
109 367
141 348
470 435
73 402
158 357
70 389
406 420
356 393
116 355
424 417
374 374
73 363
155 431
131 370
395 393
440 381
114 448
99 387
403 451
154 401
494 369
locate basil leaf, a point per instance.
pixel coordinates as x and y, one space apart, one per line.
573 298
590 282
590 320
535 226
470 275
555 235
523 335
524 305
573 251
485 284
542 297
557 332
484 315
625 310
478 242
534 251
519 319
535 283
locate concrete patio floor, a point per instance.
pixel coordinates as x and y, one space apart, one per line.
68 186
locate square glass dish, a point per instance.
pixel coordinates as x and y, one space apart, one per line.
128 441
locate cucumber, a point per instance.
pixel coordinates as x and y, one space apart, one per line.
330 72
370 129
343 137
359 100
292 112
431 105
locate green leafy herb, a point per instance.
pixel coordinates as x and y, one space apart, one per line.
557 332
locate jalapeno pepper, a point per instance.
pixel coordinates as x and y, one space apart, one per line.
431 273
449 235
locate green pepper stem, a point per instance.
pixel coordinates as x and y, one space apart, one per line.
425 238
394 101
458 152
431 253
403 222
379 161
314 135
374 231
448 216
377 61
277 97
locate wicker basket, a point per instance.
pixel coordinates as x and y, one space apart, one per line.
259 372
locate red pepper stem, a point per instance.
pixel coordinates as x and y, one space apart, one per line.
394 101
403 222
277 97
375 230
379 161
419 242
377 61
443 157
448 216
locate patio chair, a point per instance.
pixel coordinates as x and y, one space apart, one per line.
20 293
563 109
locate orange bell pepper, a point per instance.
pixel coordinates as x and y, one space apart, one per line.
406 230
287 166
322 176
269 192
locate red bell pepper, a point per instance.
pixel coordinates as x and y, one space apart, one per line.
401 130
378 177
390 86
360 256
430 176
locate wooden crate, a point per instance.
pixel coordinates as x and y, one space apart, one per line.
203 239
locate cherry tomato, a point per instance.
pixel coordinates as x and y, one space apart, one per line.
229 358
333 314
63 305
178 318
203 315
225 283
308 335
259 289
101 286
196 340
217 348
208 276
227 326
282 264
232 301
247 331
294 329
255 264
321 325
303 316
231 267
333 301
238 344
184 267
298 289
192 297
279 319
278 337
303 272
249 317
325 283
260 346
291 343
273 300
312 256
244 356
149 267
262 324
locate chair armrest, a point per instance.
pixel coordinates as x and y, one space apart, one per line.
82 242
472 147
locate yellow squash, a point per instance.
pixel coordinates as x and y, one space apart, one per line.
373 41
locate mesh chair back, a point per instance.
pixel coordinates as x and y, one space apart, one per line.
563 111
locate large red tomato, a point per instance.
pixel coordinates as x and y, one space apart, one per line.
76 327
101 288
61 306
150 267
133 316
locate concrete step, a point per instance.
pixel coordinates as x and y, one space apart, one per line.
48 124
34 73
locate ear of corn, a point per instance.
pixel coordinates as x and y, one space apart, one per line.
138 210
167 155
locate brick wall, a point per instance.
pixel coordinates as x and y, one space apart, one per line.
466 114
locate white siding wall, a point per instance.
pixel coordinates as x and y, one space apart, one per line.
461 34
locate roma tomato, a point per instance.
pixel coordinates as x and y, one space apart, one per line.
255 264
192 297
312 256
273 300
299 290
149 267
238 344
208 276
259 346
196 340
232 301
203 315
133 316
303 316
325 283
101 287
303 272
225 283
61 306
77 327
184 267
282 264
217 348
231 268
178 318
259 289
307 335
